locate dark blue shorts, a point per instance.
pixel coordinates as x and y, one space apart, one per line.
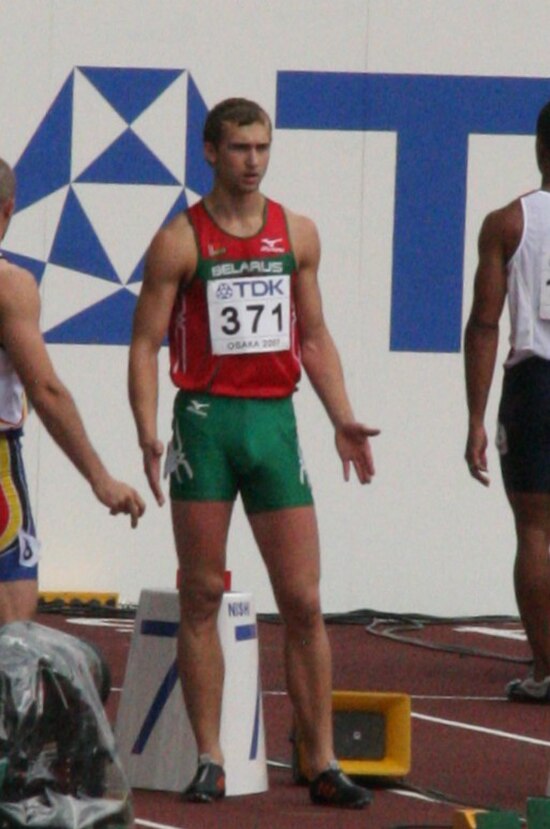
523 438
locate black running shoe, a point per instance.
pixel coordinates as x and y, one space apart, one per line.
333 788
207 785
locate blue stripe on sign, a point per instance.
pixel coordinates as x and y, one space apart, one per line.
154 627
244 632
155 710
256 729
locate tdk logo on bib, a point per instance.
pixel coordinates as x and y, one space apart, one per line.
251 288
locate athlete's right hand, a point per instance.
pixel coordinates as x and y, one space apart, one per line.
119 497
152 454
476 454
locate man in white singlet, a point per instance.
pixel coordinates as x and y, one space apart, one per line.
26 371
514 262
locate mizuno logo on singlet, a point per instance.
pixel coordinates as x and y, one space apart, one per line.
213 251
198 408
272 246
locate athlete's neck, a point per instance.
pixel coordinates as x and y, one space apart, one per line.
241 214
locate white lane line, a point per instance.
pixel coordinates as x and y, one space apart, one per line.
456 698
492 731
418 796
517 635
150 823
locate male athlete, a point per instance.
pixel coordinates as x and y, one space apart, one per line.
26 372
514 261
234 281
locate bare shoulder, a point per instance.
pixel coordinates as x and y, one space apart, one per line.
173 250
18 289
304 237
503 228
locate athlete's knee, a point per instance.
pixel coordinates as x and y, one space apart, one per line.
200 599
301 609
18 600
533 538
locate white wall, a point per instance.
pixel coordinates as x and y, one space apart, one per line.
423 537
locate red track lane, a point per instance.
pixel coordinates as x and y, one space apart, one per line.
468 743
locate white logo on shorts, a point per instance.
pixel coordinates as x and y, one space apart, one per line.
304 477
176 460
198 408
501 441
29 548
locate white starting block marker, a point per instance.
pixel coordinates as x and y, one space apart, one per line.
154 736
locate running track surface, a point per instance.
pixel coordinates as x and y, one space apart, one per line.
470 747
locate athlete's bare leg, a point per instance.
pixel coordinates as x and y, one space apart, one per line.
532 574
200 530
289 543
18 600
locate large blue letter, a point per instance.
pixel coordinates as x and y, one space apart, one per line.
433 117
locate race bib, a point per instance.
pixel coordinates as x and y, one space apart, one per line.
249 314
544 305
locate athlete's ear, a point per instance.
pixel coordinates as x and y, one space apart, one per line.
8 207
6 212
210 153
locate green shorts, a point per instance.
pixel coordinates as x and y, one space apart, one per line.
225 445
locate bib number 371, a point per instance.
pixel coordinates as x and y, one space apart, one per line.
249 315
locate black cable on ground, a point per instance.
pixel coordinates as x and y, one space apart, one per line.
377 623
365 616
461 650
392 625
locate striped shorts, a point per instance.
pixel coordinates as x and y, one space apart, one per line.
19 547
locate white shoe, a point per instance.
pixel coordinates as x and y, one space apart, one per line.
529 690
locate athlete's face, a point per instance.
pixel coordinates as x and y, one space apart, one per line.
241 158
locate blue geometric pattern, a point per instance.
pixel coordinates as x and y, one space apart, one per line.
88 254
77 250
130 91
46 163
127 161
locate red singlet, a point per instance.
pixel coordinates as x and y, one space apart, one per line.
233 328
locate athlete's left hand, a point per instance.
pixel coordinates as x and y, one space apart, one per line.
352 444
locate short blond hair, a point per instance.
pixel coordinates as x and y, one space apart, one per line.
7 182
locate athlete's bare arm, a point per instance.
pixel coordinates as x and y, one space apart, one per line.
320 357
21 337
498 239
171 261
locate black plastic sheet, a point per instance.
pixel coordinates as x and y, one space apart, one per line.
58 763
